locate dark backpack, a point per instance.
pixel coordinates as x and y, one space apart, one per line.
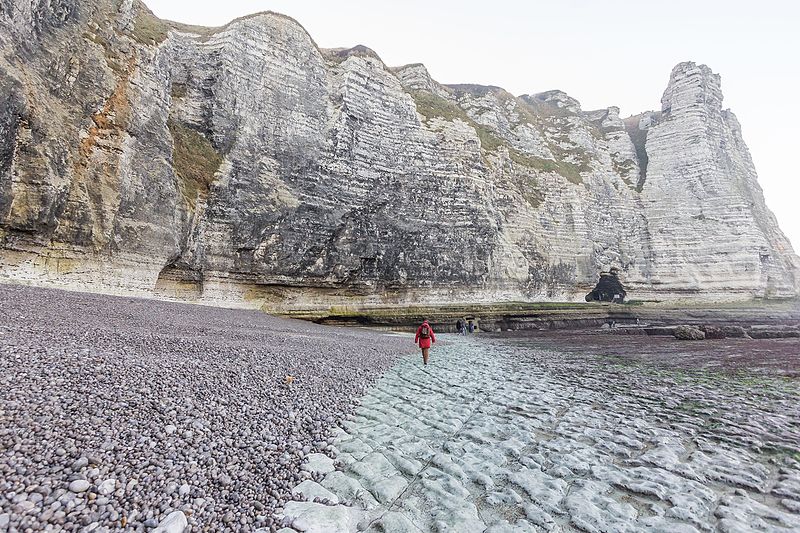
425 332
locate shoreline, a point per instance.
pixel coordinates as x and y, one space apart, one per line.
497 316
502 315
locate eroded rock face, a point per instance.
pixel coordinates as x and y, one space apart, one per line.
608 289
689 333
245 165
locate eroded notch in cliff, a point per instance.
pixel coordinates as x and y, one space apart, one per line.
195 161
12 111
177 280
637 127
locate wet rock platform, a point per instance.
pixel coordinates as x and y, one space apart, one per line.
569 433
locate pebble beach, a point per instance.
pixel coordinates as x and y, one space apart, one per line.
119 413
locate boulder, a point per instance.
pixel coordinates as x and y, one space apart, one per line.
107 487
311 491
689 333
79 485
318 463
713 332
318 518
174 523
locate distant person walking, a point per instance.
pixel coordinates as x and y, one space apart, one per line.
425 337
471 327
460 326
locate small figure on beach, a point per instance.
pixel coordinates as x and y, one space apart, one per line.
471 327
460 324
425 337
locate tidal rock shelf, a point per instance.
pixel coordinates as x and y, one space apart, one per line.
568 433
118 413
516 316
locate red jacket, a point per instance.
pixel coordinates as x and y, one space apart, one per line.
425 343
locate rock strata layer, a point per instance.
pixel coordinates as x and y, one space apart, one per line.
245 165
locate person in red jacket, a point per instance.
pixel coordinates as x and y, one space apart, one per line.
425 337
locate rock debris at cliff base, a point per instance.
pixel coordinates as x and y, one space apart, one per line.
116 412
570 433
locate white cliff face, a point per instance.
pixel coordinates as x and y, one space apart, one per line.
709 226
244 165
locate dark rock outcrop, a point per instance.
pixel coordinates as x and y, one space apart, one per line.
608 289
734 332
689 333
713 332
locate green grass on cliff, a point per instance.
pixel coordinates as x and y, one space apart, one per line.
112 60
340 55
195 161
533 196
178 90
568 170
432 106
147 28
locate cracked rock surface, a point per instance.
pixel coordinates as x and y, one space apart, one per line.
520 435
127 415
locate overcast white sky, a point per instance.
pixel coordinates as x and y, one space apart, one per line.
602 52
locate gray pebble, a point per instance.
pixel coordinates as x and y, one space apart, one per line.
79 485
120 372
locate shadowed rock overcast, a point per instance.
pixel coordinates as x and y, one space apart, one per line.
245 165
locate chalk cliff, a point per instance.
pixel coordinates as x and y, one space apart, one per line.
245 165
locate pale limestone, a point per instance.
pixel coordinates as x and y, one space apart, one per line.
334 168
